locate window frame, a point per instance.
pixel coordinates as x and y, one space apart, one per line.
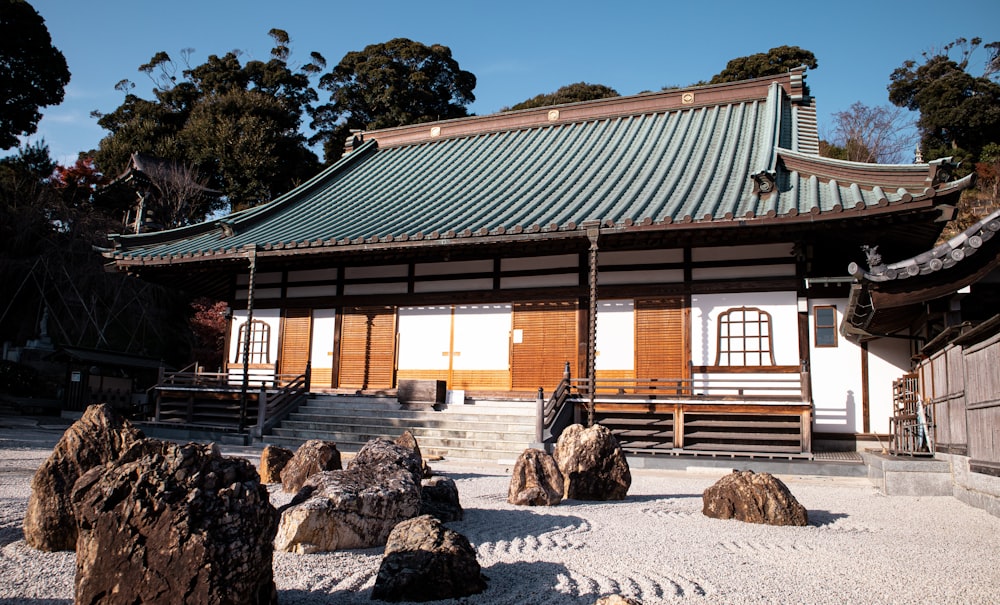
725 337
260 342
817 326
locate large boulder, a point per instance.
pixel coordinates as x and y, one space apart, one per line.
98 437
273 460
536 480
592 463
313 456
439 498
754 498
356 507
170 523
425 561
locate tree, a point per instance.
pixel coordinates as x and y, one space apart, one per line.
571 93
774 62
869 134
238 124
33 73
959 112
394 83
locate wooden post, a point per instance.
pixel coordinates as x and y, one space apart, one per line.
592 234
252 258
540 417
261 411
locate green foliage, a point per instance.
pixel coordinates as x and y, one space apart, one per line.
239 124
959 112
33 73
776 61
581 91
394 83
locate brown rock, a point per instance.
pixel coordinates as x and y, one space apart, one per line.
272 461
439 498
312 457
754 498
592 463
380 452
407 439
615 599
425 561
97 438
170 523
536 480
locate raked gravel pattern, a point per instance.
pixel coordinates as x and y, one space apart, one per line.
656 546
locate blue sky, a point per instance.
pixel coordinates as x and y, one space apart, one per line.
517 49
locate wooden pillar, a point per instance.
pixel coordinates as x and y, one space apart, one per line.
865 412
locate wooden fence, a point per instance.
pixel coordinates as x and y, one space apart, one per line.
961 383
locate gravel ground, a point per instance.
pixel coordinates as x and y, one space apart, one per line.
859 547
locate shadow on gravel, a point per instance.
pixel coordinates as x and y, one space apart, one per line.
821 518
482 526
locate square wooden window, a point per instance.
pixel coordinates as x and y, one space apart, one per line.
825 325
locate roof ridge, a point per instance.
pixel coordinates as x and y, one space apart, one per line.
692 97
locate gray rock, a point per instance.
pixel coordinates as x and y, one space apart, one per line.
425 561
753 498
98 437
356 507
536 480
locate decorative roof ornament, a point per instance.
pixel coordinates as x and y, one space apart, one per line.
942 171
764 183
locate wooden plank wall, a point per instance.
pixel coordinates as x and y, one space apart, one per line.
982 393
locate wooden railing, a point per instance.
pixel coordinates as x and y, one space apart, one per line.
746 395
222 400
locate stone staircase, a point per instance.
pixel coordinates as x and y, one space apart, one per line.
486 430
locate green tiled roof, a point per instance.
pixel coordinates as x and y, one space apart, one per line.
728 154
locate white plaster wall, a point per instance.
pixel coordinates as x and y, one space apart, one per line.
888 360
615 335
424 338
836 378
837 381
482 337
705 310
321 353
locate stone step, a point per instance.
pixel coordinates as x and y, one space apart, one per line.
405 420
487 430
360 408
445 432
447 449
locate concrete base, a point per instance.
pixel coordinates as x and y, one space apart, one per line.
908 476
757 465
975 489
